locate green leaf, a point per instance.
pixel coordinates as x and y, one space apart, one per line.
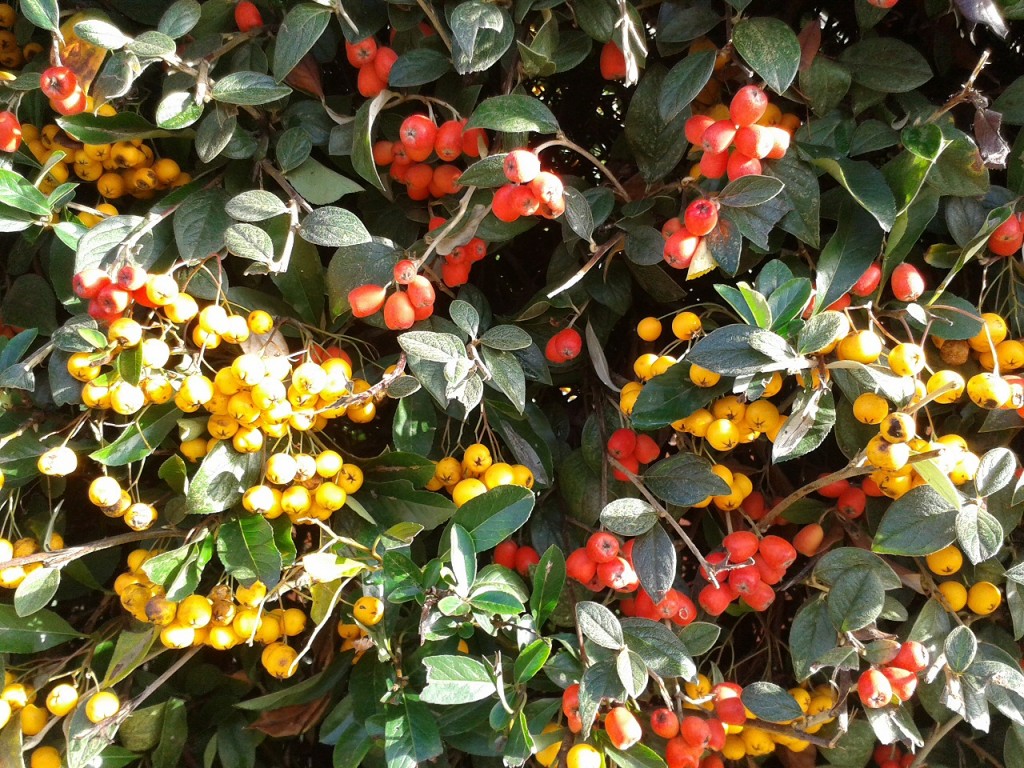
200 223
866 184
657 144
248 89
738 350
17 192
599 625
96 129
222 478
939 481
247 549
130 651
810 420
456 680
825 83
248 241
637 756
995 471
811 636
486 172
820 331
36 591
362 139
886 64
356 265
683 82
32 634
749 191
628 517
42 13
302 283
255 205
302 27
771 48
855 601
530 660
659 647
513 114
684 480
960 648
835 565
411 736
979 533
319 184
846 256
418 67
463 557
548 581
654 559
672 396
180 18
506 337
481 33
494 516
771 702
140 438
918 523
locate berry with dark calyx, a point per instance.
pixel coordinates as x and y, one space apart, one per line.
664 723
760 597
58 83
131 277
521 166
874 689
602 547
405 271
361 53
564 346
680 248
851 503
448 141
87 283
1007 238
622 443
907 282
701 217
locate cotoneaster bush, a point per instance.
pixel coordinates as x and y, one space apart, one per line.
569 383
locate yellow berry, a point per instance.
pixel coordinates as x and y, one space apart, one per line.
946 561
870 408
954 595
61 699
983 598
649 329
368 610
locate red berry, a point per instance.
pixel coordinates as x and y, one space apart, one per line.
405 271
716 731
399 314
679 754
472 140
131 277
714 599
664 723
417 133
10 132
780 143
834 490
713 165
913 656
902 681
602 547
58 83
454 275
579 566
87 283
755 140
695 731
448 142
613 62
851 503
361 53
754 506
564 346
368 84
743 581
671 226
366 300
1007 238
622 443
748 105
73 105
760 597
525 557
777 552
770 574
718 136
808 539
513 201
505 554
695 127
740 165
421 292
907 282
618 575
679 249
730 710
112 300
874 689
521 166
547 188
571 700
383 62
646 449
701 217
622 728
741 546
247 16
868 282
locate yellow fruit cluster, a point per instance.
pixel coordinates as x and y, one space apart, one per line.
475 474
118 169
20 698
13 55
106 493
982 598
368 611
303 487
12 576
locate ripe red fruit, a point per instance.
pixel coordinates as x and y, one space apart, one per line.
454 275
87 283
421 292
579 566
629 463
686 611
743 581
247 16
618 575
383 62
679 249
602 547
808 539
131 277
712 761
907 282
58 82
713 165
368 84
755 140
874 689
913 657
664 723
740 165
448 142
622 727
748 105
671 226
72 105
760 597
851 503
777 552
571 700
361 53
472 140
521 166
512 201
741 545
780 142
834 490
622 443
525 557
701 217
399 314
695 731
505 554
405 271
770 574
564 346
902 681
10 132
714 599
547 187
613 62
886 752
112 300
1007 238
646 449
728 705
716 731
754 506
366 300
718 136
418 133
383 152
695 127
868 282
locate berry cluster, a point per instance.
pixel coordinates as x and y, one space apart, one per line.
897 679
749 141
631 450
683 236
308 487
530 191
374 63
412 300
367 611
982 598
747 570
457 264
106 493
12 576
516 557
475 474
420 138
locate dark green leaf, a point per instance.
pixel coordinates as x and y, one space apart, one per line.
599 625
771 48
628 517
302 27
456 680
654 559
684 480
771 702
683 82
248 551
32 634
248 89
918 523
513 114
548 581
141 437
